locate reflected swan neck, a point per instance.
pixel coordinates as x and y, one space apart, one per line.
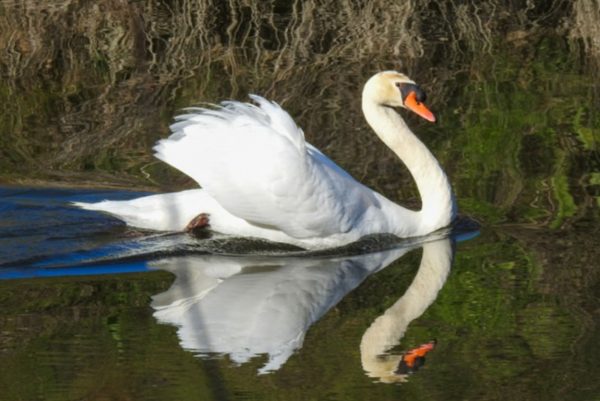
388 329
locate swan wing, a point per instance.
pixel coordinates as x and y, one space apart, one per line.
255 162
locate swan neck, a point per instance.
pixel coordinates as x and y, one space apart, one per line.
438 206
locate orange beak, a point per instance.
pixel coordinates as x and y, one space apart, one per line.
415 106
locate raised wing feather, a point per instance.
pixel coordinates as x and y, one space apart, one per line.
255 162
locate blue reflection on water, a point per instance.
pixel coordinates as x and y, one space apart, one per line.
39 228
8 274
43 235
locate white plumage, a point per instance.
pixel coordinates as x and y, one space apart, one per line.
260 178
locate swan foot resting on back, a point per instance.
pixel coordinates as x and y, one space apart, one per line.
261 179
199 222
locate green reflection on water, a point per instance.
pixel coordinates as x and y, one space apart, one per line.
505 330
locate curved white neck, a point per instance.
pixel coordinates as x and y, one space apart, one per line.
438 207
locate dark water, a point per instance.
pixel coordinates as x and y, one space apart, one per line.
93 310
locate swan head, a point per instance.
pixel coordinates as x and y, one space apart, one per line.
394 89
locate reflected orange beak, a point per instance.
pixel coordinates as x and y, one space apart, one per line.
417 107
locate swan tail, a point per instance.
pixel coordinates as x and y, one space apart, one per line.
161 212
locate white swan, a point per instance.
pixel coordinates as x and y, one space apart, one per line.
260 178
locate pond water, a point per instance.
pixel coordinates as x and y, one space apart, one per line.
503 305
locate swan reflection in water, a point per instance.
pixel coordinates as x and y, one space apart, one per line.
248 306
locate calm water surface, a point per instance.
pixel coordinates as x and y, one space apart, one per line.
503 309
